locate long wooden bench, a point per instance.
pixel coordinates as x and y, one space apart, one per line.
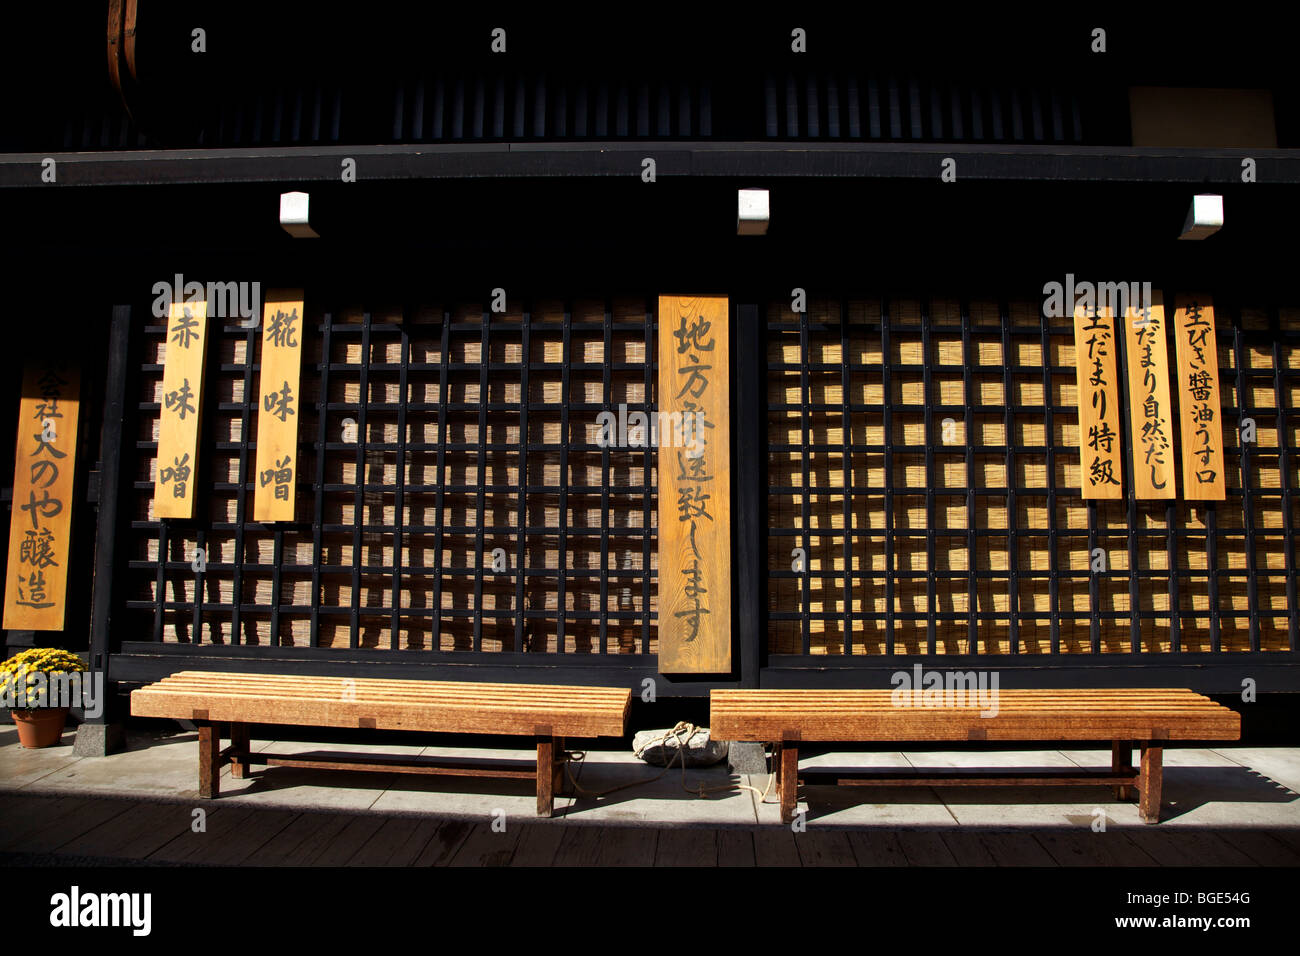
547 713
1148 719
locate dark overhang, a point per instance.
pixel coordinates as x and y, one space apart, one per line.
434 161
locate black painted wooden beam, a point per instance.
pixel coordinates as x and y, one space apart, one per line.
1209 167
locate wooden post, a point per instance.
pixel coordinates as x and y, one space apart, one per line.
112 523
750 570
209 760
557 776
1149 783
561 784
239 744
546 770
788 777
1121 759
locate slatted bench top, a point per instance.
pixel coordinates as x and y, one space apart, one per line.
872 715
425 705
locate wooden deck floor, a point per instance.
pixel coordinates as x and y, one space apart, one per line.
80 830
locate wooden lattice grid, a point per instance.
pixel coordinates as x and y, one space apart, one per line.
943 538
419 577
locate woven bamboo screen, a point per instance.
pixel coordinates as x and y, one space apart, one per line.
423 476
924 457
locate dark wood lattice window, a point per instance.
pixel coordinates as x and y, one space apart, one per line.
432 441
924 456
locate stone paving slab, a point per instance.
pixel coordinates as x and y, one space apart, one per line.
1203 788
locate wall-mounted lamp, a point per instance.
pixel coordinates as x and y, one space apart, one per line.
1204 218
752 213
293 215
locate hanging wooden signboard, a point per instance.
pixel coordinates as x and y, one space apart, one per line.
278 406
45 462
182 404
1101 469
694 441
1150 415
1198 398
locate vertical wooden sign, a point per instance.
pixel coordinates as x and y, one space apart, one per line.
1150 416
694 439
1101 468
182 404
45 463
277 409
1199 402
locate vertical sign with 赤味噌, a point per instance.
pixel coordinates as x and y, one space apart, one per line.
694 442
1100 456
182 400
1198 389
278 404
36 579
1150 416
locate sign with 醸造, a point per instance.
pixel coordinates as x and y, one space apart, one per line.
1100 457
278 404
182 395
36 579
1198 398
1150 415
694 442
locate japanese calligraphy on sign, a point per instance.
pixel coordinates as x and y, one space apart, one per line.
45 458
1150 414
695 488
1100 458
178 426
279 406
1198 402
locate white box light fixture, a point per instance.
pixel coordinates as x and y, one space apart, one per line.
752 213
294 215
1204 218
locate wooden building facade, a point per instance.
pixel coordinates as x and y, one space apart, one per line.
906 482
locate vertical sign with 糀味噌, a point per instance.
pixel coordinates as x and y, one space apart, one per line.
36 577
1099 441
182 400
1150 416
694 462
278 404
1198 389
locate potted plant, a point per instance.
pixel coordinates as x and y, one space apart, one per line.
26 686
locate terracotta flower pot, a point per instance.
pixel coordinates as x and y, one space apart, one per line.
40 728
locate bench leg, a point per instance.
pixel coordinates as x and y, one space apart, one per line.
1121 760
561 784
550 774
209 760
787 778
1149 783
239 743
